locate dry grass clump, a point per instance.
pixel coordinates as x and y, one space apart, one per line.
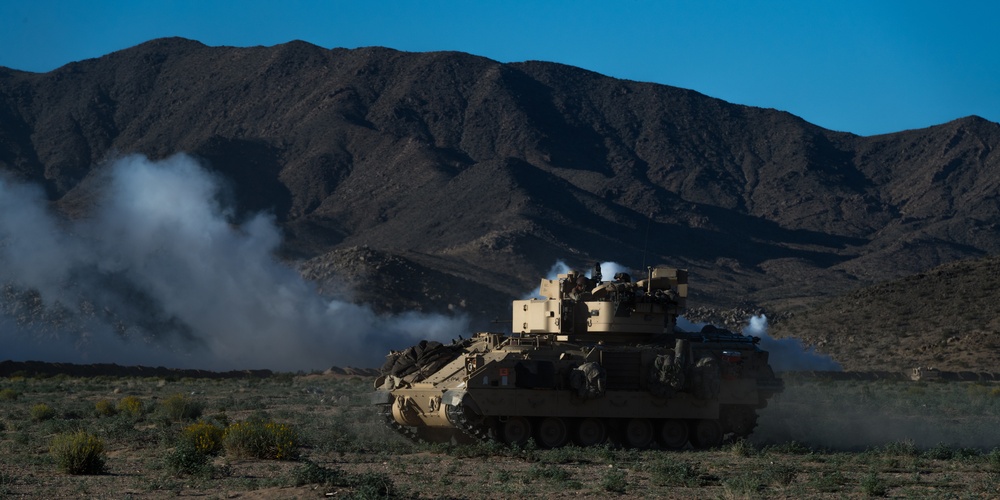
131 406
78 453
9 394
204 437
105 408
258 438
179 407
41 412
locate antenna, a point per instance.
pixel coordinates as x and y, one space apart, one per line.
645 242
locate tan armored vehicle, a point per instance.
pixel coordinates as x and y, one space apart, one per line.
590 361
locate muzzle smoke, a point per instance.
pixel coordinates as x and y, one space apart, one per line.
789 354
159 275
608 270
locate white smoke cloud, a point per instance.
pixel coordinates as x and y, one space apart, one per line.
789 354
160 275
686 325
558 268
608 270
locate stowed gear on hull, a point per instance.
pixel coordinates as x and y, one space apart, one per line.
591 361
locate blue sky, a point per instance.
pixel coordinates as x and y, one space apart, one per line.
862 66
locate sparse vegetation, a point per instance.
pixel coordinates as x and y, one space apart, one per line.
873 486
615 481
548 471
6 483
311 473
675 474
341 446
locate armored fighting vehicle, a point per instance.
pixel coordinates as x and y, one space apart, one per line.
590 361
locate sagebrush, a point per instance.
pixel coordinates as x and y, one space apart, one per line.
78 453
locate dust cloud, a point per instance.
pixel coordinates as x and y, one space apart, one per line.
789 354
860 415
161 274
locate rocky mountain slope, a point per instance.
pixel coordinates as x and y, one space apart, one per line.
947 318
466 178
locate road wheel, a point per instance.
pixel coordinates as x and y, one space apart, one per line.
639 433
516 430
552 432
591 432
673 434
706 434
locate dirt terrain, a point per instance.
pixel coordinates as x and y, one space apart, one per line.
819 439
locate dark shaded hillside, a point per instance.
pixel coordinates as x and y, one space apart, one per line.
475 176
947 318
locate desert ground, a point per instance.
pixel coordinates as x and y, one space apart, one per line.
819 439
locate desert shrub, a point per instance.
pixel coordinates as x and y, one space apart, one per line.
828 481
614 481
373 485
778 474
9 394
191 454
978 390
105 408
22 438
78 453
205 437
743 448
675 474
365 485
940 451
6 481
564 455
122 429
258 438
179 407
186 458
41 412
901 448
966 453
73 414
548 471
993 460
311 473
220 419
789 448
873 486
131 406
744 485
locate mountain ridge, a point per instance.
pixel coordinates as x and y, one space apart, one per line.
489 172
